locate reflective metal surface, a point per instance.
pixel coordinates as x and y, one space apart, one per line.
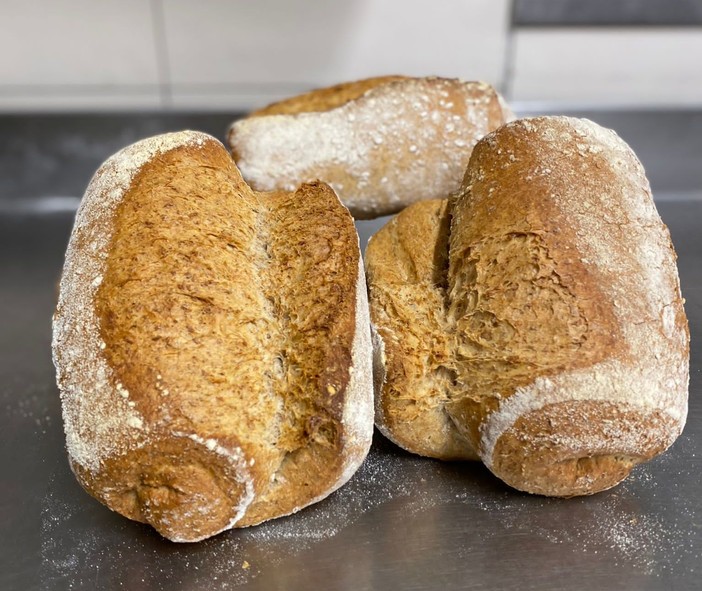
402 522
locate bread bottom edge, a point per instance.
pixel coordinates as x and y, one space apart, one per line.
578 448
186 487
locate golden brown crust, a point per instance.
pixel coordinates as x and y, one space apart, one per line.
324 99
562 307
512 273
543 452
382 143
228 336
176 484
314 290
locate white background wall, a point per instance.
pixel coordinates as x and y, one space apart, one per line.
237 54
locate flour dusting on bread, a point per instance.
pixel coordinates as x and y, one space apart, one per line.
98 417
661 382
238 320
400 142
608 382
562 334
242 475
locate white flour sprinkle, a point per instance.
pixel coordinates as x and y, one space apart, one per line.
352 146
97 416
242 474
659 378
624 527
357 417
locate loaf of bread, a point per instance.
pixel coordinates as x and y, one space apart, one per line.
381 143
212 344
534 320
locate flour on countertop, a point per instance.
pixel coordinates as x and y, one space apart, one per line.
622 526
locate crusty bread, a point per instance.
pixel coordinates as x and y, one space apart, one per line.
381 143
535 319
212 344
325 99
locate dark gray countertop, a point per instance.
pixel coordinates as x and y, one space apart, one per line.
402 522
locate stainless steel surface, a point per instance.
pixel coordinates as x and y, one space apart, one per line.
403 522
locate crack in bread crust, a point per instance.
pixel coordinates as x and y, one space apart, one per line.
228 342
317 341
500 346
552 232
407 309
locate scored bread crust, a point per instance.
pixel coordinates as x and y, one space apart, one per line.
177 409
381 143
406 266
561 344
325 99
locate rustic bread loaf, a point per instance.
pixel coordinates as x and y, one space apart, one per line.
212 343
381 143
535 319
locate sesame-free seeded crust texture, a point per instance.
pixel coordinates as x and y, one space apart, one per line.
534 320
231 381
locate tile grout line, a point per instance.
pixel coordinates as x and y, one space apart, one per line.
162 58
508 63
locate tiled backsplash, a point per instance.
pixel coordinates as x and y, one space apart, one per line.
177 54
610 66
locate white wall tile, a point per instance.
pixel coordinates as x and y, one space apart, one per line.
83 99
66 42
267 47
455 38
608 66
229 97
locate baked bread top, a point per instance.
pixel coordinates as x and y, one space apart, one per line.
381 143
325 99
534 320
211 342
